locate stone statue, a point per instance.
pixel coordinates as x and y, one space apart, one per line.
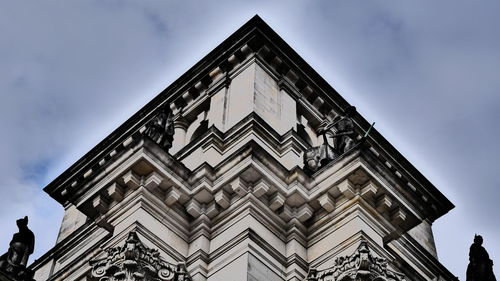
341 130
318 156
21 246
161 128
480 266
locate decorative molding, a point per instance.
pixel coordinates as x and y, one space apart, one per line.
361 265
136 262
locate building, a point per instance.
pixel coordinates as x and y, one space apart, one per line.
247 188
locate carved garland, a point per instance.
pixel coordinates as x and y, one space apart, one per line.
135 262
361 265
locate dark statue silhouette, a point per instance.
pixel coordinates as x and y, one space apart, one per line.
341 130
13 263
480 266
161 128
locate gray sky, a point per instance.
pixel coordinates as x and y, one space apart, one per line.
426 71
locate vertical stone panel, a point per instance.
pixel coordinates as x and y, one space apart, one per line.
275 106
240 96
72 220
267 100
218 111
180 127
423 234
253 90
288 112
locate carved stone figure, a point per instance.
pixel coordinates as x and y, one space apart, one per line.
480 266
361 266
318 156
161 128
135 262
20 247
341 130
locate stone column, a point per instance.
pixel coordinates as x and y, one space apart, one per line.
180 128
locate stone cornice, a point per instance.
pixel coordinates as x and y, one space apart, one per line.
297 218
298 199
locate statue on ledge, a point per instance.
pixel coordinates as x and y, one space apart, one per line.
480 266
161 128
13 263
341 131
318 156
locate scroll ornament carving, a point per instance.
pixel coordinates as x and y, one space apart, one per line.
361 265
135 262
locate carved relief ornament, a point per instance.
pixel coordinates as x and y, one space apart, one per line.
361 265
135 262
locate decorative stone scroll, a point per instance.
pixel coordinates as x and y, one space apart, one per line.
136 262
361 265
161 128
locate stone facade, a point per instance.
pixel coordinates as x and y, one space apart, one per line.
230 200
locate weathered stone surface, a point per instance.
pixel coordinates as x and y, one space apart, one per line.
116 192
172 196
222 198
423 234
327 202
260 188
347 189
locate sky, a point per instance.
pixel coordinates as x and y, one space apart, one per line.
427 72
